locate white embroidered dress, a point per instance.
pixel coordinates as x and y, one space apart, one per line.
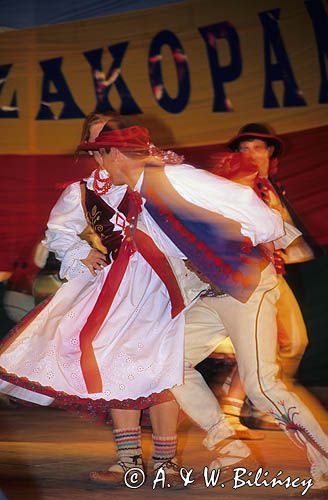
139 348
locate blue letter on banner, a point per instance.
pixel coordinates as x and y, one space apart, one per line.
221 74
281 70
53 74
320 24
103 83
10 111
170 104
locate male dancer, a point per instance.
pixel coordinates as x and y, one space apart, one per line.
252 327
254 141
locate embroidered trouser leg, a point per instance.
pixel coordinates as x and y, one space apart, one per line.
253 331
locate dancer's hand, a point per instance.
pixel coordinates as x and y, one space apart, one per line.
268 250
95 261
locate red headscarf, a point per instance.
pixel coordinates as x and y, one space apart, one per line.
131 138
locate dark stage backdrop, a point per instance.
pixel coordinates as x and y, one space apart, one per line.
309 283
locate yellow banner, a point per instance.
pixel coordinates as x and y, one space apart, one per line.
193 72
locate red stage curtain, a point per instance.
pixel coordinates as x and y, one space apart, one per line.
30 186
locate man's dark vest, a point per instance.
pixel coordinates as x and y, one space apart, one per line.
316 249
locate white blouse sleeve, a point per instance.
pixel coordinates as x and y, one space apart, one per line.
66 222
232 200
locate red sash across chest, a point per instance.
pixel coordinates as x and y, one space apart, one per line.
121 244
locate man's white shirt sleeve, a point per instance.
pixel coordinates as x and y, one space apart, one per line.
234 201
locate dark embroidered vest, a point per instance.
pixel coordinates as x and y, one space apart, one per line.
263 187
99 215
314 246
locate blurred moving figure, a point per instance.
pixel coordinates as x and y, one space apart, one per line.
255 142
252 327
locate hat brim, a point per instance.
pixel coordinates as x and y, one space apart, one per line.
273 140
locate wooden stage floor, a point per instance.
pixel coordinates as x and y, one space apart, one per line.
47 454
